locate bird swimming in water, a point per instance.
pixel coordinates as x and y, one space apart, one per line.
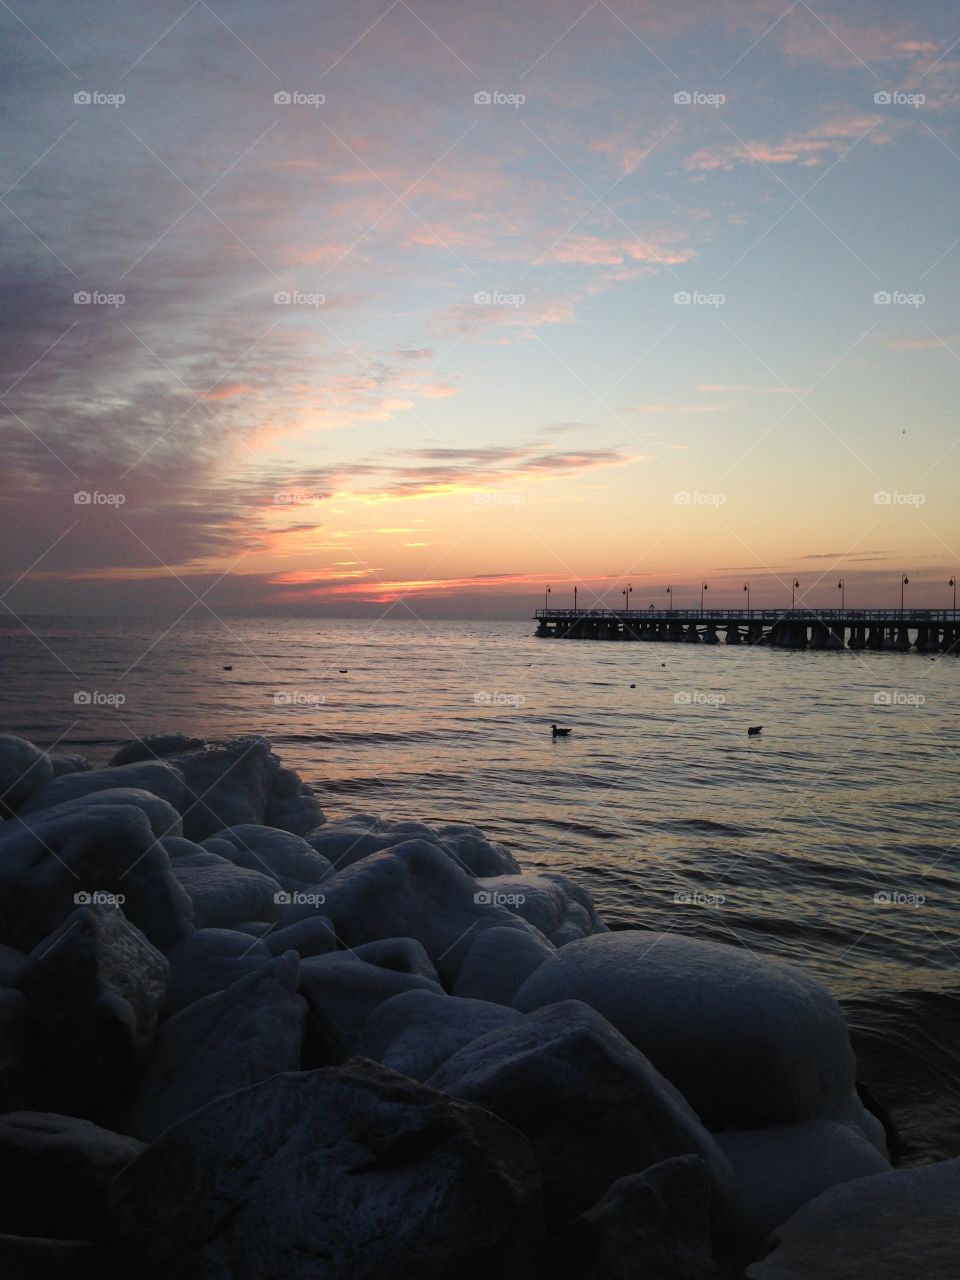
754 730
342 670
560 733
228 668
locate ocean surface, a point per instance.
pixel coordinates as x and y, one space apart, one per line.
831 840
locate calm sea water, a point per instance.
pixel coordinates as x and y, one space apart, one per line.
658 801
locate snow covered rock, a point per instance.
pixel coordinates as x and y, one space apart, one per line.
323 1175
403 955
777 1170
54 1171
349 839
95 988
210 960
654 1225
561 910
749 1042
69 764
592 1105
165 821
221 1043
24 768
417 1031
101 848
499 962
313 936
155 776
223 894
893 1226
154 747
286 857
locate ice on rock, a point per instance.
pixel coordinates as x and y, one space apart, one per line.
349 839
69 764
891 1226
313 936
95 988
210 960
223 894
154 747
155 776
416 1032
561 910
413 890
750 1042
100 848
280 854
345 1171
404 955
222 1043
164 819
24 769
54 1171
499 962
592 1106
777 1170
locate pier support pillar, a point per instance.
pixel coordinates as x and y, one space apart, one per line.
733 634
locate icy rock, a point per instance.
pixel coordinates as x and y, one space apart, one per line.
343 1172
30 1258
54 1170
24 769
777 1170
165 821
417 1031
561 910
158 778
654 1225
222 1043
499 962
223 894
750 1042
892 1226
412 890
350 839
109 848
404 955
342 990
154 747
592 1105
210 960
69 764
286 857
314 936
95 988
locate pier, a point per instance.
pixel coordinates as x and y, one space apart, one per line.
922 630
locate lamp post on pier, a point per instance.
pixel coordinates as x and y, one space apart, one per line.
703 587
904 582
953 583
793 593
670 594
626 592
546 596
746 587
842 588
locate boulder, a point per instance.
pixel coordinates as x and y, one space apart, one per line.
350 839
750 1042
95 988
592 1106
499 962
313 936
54 1170
403 955
24 1079
417 1031
285 857
892 1226
210 960
559 910
323 1175
69 764
224 895
219 1044
154 747
24 769
165 821
155 776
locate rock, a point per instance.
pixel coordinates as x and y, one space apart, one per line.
499 962
165 821
402 955
155 776
69 764
23 1079
344 1172
750 1042
224 895
350 839
154 747
95 988
222 1043
417 1031
560 910
777 1170
107 848
11 966
654 1225
54 1170
314 936
343 990
279 854
900 1225
591 1104
210 960
24 769
27 1258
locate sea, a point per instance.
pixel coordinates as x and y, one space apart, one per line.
831 839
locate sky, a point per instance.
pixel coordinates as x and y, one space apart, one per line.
417 308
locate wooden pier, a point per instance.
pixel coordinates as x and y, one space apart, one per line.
923 630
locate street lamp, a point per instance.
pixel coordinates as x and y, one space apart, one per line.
670 594
626 592
904 582
953 583
746 587
545 597
793 597
842 588
703 588
574 599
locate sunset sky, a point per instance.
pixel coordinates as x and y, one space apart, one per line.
486 377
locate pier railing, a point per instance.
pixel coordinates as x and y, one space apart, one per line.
892 617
